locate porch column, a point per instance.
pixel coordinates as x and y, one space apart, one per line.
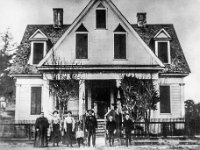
118 84
111 97
81 97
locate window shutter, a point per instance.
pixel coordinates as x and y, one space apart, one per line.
163 51
81 46
38 50
36 100
101 19
120 46
165 99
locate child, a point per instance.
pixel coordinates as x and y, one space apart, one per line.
79 132
127 125
111 129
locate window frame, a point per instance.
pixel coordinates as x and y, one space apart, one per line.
118 33
39 86
168 50
32 49
170 99
78 33
106 18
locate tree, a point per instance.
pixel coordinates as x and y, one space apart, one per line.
7 47
64 85
140 97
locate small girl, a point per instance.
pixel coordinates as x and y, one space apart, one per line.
79 132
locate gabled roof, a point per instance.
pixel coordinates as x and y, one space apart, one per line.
38 35
117 13
178 61
146 36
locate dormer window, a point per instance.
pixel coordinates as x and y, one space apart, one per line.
101 17
162 46
119 43
81 42
38 47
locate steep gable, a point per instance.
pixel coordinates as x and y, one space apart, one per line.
138 52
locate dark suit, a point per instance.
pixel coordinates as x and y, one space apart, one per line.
91 125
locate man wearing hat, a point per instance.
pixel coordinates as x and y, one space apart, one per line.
91 125
127 125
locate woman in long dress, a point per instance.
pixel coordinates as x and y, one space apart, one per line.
41 126
69 126
55 128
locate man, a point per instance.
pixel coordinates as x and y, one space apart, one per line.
41 126
127 125
91 125
110 130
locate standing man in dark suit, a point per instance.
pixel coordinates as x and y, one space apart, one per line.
91 125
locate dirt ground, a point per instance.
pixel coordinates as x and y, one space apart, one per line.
25 146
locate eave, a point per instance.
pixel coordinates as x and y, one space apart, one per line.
174 75
27 75
102 68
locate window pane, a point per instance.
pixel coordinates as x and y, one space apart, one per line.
101 18
165 99
120 46
163 52
36 100
38 50
81 46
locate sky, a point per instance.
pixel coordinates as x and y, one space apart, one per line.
184 14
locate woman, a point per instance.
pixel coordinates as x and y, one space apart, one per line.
55 128
69 126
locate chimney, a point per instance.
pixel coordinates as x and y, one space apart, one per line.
57 17
141 19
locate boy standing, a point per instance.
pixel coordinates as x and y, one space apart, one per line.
127 124
111 129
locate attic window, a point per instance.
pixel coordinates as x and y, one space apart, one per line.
38 52
163 51
101 17
162 46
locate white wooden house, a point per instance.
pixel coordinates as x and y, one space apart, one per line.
105 47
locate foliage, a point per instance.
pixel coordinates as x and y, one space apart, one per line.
64 85
192 116
7 85
20 60
140 97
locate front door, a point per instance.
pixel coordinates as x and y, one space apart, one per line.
101 100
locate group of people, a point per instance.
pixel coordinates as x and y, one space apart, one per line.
67 129
116 124
64 130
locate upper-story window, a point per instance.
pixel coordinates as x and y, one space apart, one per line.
38 52
119 43
162 46
81 42
38 47
101 17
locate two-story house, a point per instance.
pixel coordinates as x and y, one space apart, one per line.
105 47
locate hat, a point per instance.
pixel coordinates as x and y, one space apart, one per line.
55 111
69 112
90 110
126 114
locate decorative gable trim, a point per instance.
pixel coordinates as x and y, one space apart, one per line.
118 14
38 35
81 28
119 29
162 34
